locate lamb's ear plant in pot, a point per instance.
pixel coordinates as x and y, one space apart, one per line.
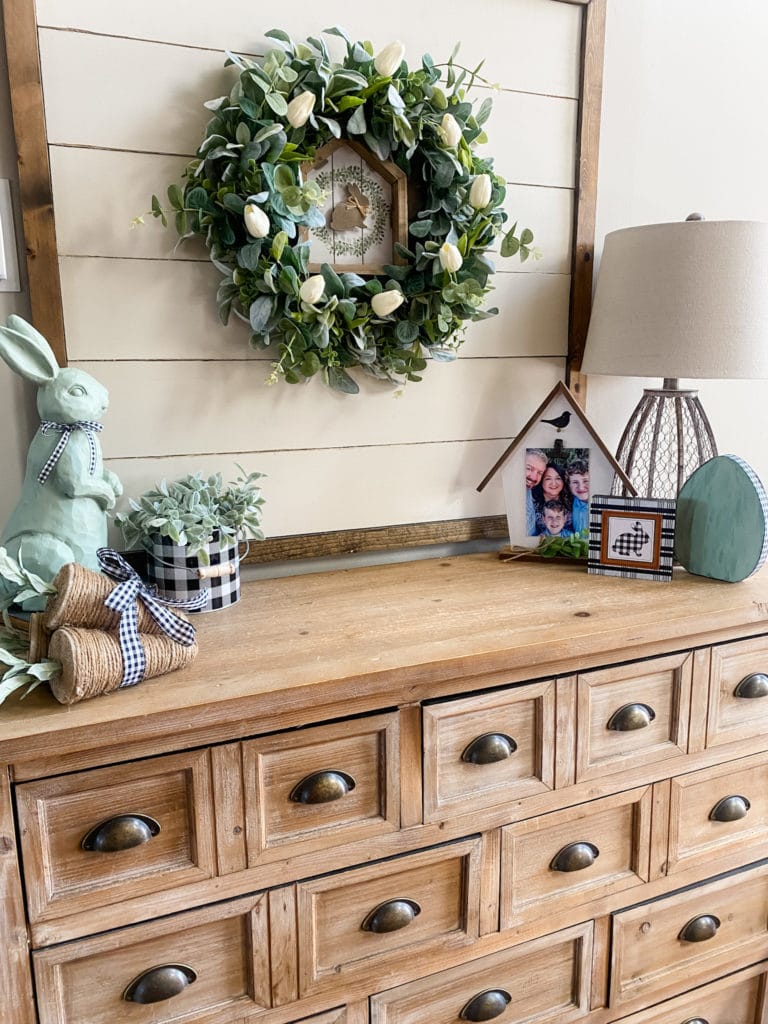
191 530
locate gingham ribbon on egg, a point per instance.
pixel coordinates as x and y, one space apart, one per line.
66 430
124 600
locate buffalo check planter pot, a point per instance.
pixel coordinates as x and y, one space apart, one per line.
178 574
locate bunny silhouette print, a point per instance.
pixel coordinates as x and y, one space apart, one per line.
61 514
631 542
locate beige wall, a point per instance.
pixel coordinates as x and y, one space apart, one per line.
684 129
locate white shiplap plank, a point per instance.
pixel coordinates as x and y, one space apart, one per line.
532 138
349 488
548 212
88 104
205 407
97 193
534 41
151 309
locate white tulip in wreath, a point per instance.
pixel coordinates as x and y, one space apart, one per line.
246 195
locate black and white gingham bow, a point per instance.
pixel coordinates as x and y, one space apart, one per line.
124 599
65 430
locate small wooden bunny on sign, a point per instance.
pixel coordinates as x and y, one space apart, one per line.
61 514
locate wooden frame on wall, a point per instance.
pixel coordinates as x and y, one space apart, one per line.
45 286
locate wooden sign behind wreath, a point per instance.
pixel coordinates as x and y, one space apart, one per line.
299 190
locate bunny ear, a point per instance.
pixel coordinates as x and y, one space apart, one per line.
26 351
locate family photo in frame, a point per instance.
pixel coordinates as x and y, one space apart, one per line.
556 491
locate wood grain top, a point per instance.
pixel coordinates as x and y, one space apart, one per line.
337 643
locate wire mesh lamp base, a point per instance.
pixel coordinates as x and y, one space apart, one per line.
668 436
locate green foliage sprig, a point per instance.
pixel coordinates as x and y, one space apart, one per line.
573 545
277 115
16 671
189 510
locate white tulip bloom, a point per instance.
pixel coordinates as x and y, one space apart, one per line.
256 221
388 60
450 257
450 131
312 289
387 302
480 192
300 108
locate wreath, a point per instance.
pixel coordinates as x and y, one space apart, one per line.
245 194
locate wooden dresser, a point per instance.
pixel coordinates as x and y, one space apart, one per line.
448 790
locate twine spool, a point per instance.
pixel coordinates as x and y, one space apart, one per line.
79 601
92 663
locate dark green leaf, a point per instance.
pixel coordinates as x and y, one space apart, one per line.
175 197
421 228
233 202
526 236
406 332
510 245
248 257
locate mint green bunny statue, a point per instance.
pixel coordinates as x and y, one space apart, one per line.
61 515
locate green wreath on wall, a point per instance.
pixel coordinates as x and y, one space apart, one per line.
245 194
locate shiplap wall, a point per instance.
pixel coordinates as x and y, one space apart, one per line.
123 89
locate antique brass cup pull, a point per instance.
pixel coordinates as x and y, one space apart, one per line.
700 929
630 717
322 787
489 748
122 832
391 916
158 983
486 1005
753 686
730 808
575 857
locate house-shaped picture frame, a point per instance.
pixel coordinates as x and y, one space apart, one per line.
550 471
365 209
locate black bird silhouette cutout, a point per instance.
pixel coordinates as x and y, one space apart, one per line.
560 421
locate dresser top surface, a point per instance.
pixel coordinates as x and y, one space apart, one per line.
394 633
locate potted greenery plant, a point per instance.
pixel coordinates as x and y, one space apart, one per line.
191 529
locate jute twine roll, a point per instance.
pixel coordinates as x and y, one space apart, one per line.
92 663
79 601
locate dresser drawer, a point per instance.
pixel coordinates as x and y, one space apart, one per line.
568 858
632 715
321 787
482 751
738 692
737 999
689 937
208 967
99 836
544 981
358 923
717 811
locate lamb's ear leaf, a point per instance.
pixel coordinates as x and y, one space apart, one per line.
26 351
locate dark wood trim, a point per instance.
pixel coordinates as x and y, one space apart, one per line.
20 23
379 538
587 149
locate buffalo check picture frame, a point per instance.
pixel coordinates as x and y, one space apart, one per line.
631 537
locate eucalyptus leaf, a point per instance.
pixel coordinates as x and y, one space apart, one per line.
340 380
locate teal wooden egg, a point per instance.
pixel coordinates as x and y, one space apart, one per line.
720 526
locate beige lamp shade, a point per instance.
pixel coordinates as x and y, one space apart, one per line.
688 299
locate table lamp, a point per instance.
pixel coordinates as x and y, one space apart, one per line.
682 300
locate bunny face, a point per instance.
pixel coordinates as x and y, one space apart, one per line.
72 396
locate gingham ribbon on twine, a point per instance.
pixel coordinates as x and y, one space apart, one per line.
66 430
124 599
